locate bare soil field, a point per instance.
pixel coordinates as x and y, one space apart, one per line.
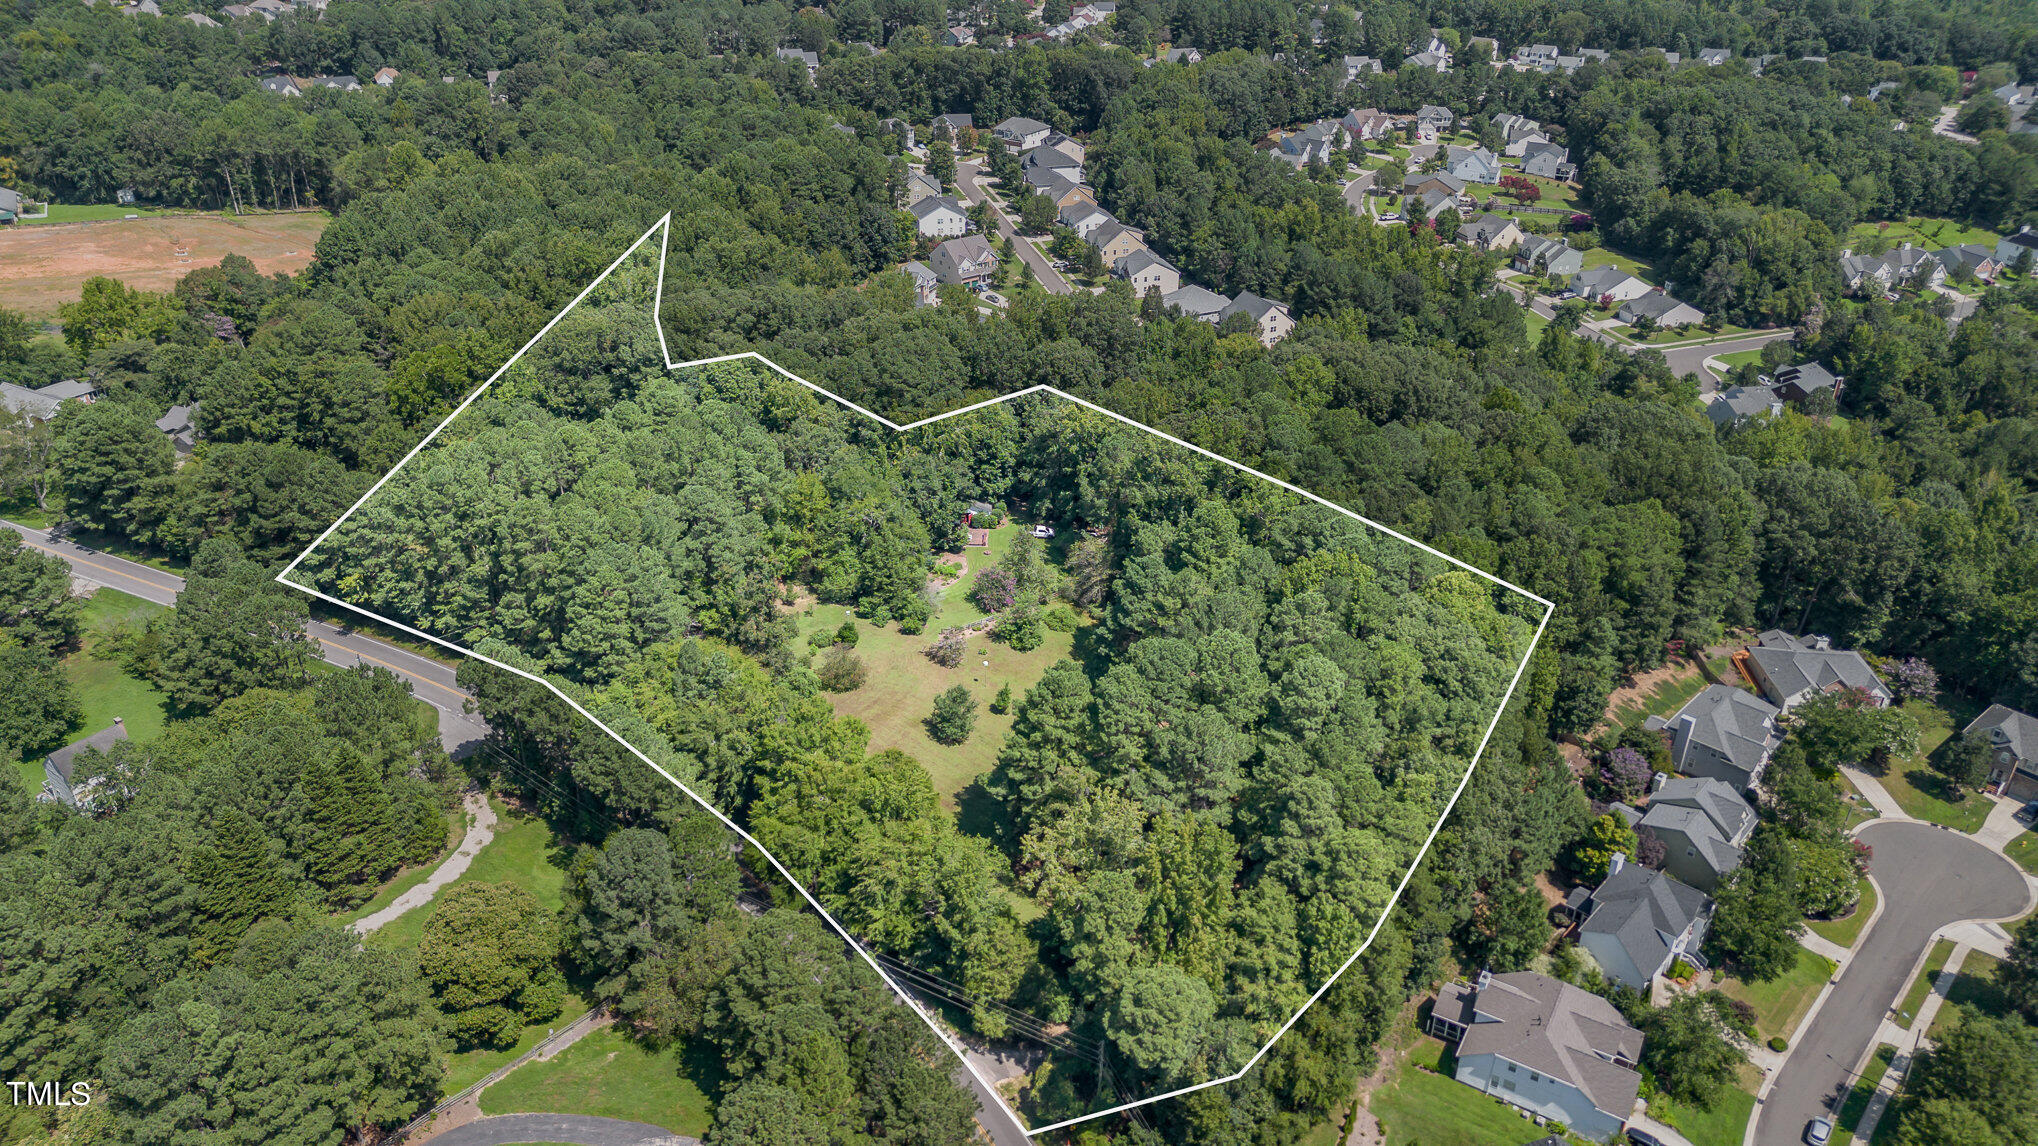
45 264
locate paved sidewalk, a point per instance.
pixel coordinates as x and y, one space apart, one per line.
480 830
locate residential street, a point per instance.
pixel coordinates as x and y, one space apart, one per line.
1682 359
1355 192
582 1129
1927 878
430 680
966 173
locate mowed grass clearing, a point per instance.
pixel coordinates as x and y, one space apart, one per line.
104 689
1781 1002
1430 1107
1725 1124
900 682
606 1075
47 264
1919 790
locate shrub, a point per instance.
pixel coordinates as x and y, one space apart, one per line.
1625 772
1021 629
954 717
1060 618
847 634
1002 703
995 591
1679 969
948 648
821 638
1779 1043
840 670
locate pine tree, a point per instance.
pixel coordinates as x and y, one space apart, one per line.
237 882
1002 703
954 717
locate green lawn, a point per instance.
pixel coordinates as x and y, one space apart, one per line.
1973 985
1535 324
1724 1125
23 511
1864 1089
104 690
1931 234
1781 1002
1922 985
1663 337
2024 850
83 212
523 852
1919 790
1601 257
606 1075
1437 1110
1740 358
899 690
1846 931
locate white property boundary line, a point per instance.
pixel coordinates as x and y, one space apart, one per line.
663 228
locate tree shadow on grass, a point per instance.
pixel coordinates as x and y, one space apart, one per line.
978 813
1936 786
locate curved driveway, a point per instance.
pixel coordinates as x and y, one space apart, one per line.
1927 878
581 1128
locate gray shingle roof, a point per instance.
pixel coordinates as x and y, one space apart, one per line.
2019 732
1795 666
1197 301
1645 911
1734 722
1249 303
1552 1027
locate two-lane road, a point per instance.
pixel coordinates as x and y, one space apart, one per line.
966 176
430 680
1928 878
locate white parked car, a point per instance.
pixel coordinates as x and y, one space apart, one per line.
1043 531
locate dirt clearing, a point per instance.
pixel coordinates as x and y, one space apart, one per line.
44 264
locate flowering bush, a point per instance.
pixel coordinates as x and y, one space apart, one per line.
1912 677
1626 772
995 591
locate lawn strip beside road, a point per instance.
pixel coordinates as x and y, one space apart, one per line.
1922 985
1782 1002
1844 932
1864 1089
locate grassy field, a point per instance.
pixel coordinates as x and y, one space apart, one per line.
1973 985
1781 1002
1922 985
23 511
1535 323
1919 790
2024 850
899 691
1601 257
91 213
48 264
1864 1089
1723 1125
104 690
1932 234
1846 931
1740 358
1435 1109
1664 337
523 852
606 1075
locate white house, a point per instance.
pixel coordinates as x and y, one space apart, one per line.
939 217
1271 319
1608 284
1022 134
1664 311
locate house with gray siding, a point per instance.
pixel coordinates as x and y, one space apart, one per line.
1702 823
1544 1046
1725 733
1791 670
2013 766
1637 922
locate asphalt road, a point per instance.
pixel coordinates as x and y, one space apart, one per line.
1682 360
966 174
431 681
1927 878
579 1128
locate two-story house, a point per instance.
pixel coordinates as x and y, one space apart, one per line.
1638 922
1702 823
1725 733
2013 768
1545 1046
1791 670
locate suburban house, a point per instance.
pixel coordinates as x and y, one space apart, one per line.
1114 240
2014 769
1356 66
1435 118
1714 57
1431 203
1978 258
1545 1046
1472 164
1067 145
1702 823
1796 383
946 126
920 185
1540 57
958 36
1196 302
1491 232
61 765
281 85
385 77
1272 318
1367 123
1607 284
969 259
1543 255
1637 922
1182 56
1516 131
1059 188
1429 61
1548 161
41 404
810 60
1147 271
1724 733
1790 670
925 282
201 19
1313 144
1660 308
939 217
900 128
1906 266
181 424
1421 184
1737 404
1083 218
1049 158
336 83
2010 247
1669 57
